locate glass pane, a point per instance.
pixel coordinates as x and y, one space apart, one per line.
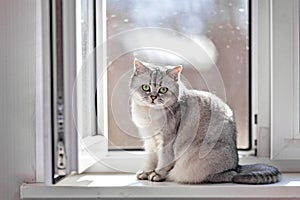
223 23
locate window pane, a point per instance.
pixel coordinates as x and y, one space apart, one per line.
224 22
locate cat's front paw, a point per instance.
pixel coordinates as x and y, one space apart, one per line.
156 177
143 175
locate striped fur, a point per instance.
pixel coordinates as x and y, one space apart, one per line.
189 135
257 174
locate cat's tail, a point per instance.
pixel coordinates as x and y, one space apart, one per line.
257 174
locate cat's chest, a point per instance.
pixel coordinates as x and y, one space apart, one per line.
146 117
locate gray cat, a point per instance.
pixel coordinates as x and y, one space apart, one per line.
189 135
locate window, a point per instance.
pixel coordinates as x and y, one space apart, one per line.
219 35
285 80
95 100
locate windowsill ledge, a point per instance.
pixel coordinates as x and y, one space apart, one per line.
126 186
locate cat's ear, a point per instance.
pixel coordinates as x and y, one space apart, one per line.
174 72
139 67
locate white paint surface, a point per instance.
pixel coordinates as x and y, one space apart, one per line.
17 95
126 186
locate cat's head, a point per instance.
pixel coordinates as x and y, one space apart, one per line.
154 85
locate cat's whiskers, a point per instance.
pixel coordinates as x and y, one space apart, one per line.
161 101
170 109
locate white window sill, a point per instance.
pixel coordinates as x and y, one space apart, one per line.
126 186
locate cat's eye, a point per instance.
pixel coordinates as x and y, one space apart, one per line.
146 88
163 90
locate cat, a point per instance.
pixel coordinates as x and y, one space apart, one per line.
189 135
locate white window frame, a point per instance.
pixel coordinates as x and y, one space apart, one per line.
112 160
84 90
285 140
265 57
272 147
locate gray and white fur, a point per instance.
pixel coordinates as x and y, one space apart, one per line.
189 135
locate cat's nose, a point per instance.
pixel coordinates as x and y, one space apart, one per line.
153 97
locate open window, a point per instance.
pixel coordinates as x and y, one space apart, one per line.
235 49
214 32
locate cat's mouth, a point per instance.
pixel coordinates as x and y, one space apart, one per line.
156 103
152 104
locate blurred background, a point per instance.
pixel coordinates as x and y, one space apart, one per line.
219 27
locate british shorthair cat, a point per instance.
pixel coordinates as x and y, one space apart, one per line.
189 135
